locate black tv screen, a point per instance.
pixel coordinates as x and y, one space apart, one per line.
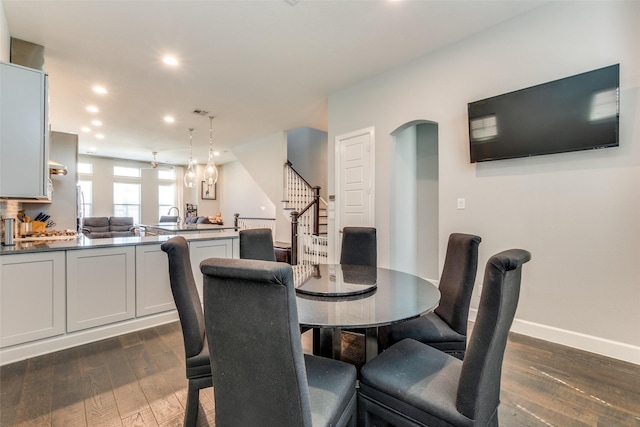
574 113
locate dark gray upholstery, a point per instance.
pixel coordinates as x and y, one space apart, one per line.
261 376
359 246
185 295
413 384
103 227
257 243
446 327
96 227
168 218
121 226
196 220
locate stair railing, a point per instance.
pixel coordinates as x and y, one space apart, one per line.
303 200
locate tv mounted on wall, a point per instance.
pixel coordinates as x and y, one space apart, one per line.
580 112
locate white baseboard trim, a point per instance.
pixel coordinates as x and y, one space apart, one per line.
61 342
605 347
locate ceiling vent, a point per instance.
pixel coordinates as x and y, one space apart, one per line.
200 112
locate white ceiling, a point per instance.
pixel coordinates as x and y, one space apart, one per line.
258 66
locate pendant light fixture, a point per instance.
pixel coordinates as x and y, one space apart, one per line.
190 174
210 175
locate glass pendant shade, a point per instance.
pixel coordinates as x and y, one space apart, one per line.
210 175
190 176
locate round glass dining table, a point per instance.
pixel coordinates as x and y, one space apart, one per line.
332 297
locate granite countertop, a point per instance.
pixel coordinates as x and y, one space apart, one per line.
173 227
82 242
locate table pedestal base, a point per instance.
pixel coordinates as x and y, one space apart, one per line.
327 342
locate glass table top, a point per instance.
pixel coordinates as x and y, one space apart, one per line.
394 297
334 280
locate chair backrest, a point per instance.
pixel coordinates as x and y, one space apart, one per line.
457 280
257 243
359 246
168 218
479 387
254 340
185 294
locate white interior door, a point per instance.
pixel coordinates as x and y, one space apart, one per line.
355 192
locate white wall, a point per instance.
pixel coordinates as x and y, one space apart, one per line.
243 195
307 152
403 220
578 213
5 36
265 159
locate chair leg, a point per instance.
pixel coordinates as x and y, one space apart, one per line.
193 400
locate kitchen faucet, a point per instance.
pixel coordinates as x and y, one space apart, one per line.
177 210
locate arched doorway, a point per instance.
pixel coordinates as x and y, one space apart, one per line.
414 208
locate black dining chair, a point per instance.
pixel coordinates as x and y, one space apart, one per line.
413 384
359 246
185 295
257 243
445 328
261 376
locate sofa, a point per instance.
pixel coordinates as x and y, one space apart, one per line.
197 220
104 227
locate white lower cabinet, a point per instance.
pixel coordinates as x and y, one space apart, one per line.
53 300
100 286
32 304
201 250
153 288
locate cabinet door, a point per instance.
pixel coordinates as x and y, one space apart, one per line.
100 286
201 250
153 288
24 155
32 305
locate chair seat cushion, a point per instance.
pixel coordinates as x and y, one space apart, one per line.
429 329
332 390
199 365
419 379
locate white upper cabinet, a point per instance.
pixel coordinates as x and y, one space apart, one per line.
24 148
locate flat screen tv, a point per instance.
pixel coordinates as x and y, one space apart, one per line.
574 113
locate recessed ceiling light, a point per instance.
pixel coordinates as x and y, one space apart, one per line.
92 109
85 129
96 122
99 136
216 153
169 119
99 89
170 60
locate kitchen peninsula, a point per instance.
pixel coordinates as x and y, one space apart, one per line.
180 228
64 293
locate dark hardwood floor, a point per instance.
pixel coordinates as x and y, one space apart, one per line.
138 380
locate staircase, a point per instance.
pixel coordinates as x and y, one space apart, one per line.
308 214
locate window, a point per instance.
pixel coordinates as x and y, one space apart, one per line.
85 168
168 174
126 200
166 198
85 201
126 172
